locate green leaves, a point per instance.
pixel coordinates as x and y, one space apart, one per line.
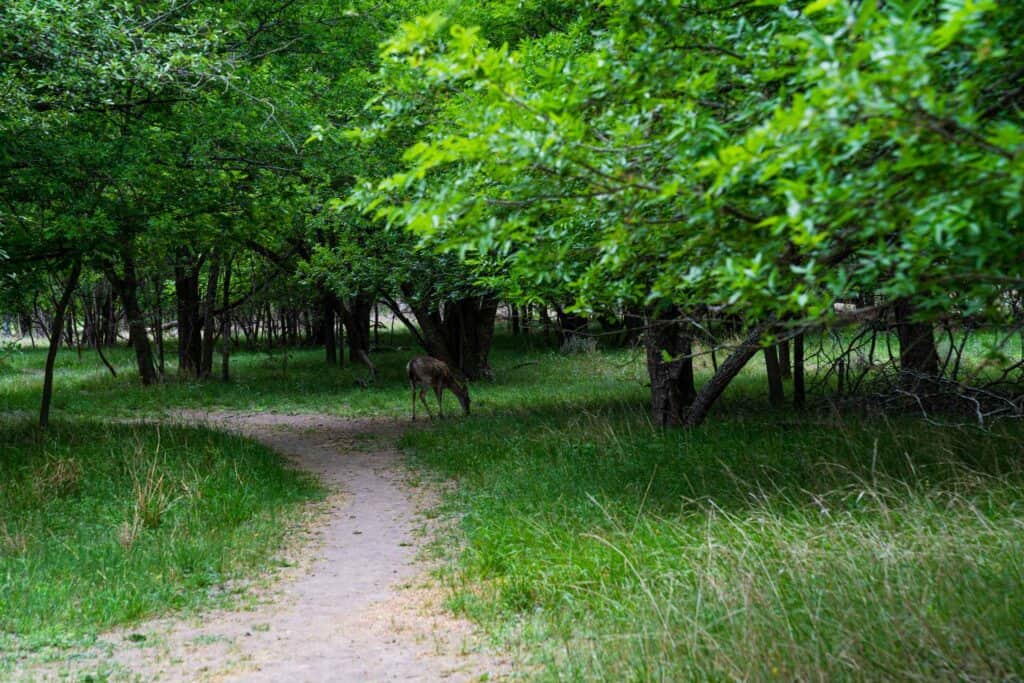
745 156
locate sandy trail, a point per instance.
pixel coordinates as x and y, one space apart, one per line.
348 612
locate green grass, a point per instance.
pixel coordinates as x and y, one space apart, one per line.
764 545
761 546
263 382
105 524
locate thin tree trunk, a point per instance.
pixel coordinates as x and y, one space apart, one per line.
329 306
208 322
158 333
727 371
99 350
225 327
57 329
799 393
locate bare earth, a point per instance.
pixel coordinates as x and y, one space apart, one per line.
358 607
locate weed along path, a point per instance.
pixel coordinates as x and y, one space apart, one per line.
354 608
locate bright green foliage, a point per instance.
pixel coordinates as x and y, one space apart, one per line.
748 154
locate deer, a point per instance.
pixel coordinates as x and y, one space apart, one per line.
426 372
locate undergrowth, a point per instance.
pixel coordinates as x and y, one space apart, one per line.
761 546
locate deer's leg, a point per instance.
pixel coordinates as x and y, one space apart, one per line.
423 399
413 385
440 403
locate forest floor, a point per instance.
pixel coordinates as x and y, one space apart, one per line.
356 604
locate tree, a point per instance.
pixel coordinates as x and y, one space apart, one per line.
737 156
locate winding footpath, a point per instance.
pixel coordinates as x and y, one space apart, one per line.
357 607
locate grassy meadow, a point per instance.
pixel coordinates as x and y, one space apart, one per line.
762 545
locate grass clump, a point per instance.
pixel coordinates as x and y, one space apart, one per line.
105 524
811 549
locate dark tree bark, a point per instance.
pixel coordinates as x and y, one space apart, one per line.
727 371
127 287
776 395
569 324
669 347
462 336
57 329
396 310
207 319
356 316
514 318
785 369
799 393
186 290
919 359
225 327
470 329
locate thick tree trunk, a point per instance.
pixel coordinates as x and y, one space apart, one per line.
57 329
727 371
799 393
569 324
670 367
919 359
474 329
462 336
776 395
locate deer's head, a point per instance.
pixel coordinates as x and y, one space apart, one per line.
461 392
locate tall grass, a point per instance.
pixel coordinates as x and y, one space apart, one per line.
763 545
106 524
760 546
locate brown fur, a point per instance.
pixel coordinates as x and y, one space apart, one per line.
425 373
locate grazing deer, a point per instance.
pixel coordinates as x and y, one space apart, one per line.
430 373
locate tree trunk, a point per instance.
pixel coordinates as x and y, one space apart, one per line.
799 393
669 349
57 329
569 324
207 321
329 306
128 288
225 327
785 369
356 316
186 289
919 359
462 337
776 395
514 319
727 371
158 332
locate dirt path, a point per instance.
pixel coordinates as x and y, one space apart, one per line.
354 610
